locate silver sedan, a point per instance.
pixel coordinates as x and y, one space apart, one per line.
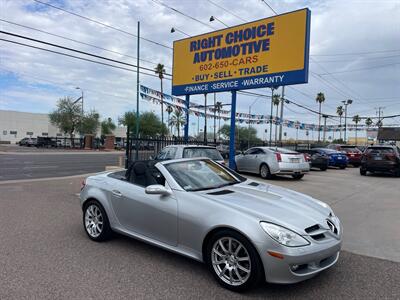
269 161
245 231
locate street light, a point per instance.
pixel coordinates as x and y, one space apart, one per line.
81 98
173 29
212 19
345 103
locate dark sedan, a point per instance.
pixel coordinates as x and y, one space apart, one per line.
319 160
336 158
381 159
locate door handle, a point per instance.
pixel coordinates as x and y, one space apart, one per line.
117 193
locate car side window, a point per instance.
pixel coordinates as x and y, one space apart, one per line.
251 151
161 155
171 151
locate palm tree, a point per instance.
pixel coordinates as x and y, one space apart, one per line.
368 122
169 110
356 119
320 99
160 70
340 112
177 120
276 99
218 108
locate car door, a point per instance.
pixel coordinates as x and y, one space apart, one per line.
154 216
255 160
243 160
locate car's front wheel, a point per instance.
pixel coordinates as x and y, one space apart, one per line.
234 261
298 176
95 221
363 171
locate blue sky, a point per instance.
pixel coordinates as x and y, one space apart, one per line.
32 80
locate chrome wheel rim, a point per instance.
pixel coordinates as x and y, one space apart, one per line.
93 220
264 171
231 261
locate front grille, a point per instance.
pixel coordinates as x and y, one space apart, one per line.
332 226
318 236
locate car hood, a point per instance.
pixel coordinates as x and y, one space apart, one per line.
272 204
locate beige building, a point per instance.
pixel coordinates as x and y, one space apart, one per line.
16 125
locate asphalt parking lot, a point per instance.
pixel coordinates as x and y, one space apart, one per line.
20 165
45 254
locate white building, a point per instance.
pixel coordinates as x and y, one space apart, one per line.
16 125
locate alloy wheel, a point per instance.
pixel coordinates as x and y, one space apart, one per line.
231 261
93 220
264 171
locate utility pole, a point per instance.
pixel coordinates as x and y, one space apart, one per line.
346 103
379 113
215 121
270 117
281 116
205 119
325 117
137 93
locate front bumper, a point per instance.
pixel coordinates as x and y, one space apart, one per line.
310 260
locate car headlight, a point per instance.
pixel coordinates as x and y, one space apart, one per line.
283 235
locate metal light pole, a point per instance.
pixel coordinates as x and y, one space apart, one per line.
205 119
173 29
213 18
78 88
281 116
346 103
248 139
270 117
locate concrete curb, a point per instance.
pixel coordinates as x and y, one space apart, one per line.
46 178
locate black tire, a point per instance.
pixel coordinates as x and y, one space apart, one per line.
342 167
256 267
397 172
363 172
298 176
265 173
324 168
104 228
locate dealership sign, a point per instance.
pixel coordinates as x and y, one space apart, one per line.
264 53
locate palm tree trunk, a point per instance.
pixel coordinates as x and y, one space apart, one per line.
340 126
219 126
162 104
356 134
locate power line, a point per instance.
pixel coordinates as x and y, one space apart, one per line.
361 69
73 40
270 7
75 50
181 13
357 53
352 60
77 57
101 23
229 12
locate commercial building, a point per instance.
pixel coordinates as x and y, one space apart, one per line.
16 125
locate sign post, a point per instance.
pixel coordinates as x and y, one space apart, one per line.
186 129
232 151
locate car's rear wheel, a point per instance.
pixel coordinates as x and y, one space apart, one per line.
265 173
298 176
234 261
95 221
324 168
342 167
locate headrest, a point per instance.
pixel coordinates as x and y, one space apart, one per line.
139 168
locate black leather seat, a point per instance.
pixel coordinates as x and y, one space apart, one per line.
140 175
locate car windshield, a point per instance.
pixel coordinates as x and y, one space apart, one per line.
380 150
211 153
329 151
200 175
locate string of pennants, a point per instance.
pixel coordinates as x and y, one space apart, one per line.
154 97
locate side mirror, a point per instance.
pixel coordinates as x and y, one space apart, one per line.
157 189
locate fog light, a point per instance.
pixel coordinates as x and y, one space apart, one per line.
313 265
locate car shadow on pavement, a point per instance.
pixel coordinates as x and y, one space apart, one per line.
349 278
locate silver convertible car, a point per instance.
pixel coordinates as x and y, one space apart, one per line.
245 231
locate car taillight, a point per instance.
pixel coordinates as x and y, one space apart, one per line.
391 156
83 184
278 157
307 157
